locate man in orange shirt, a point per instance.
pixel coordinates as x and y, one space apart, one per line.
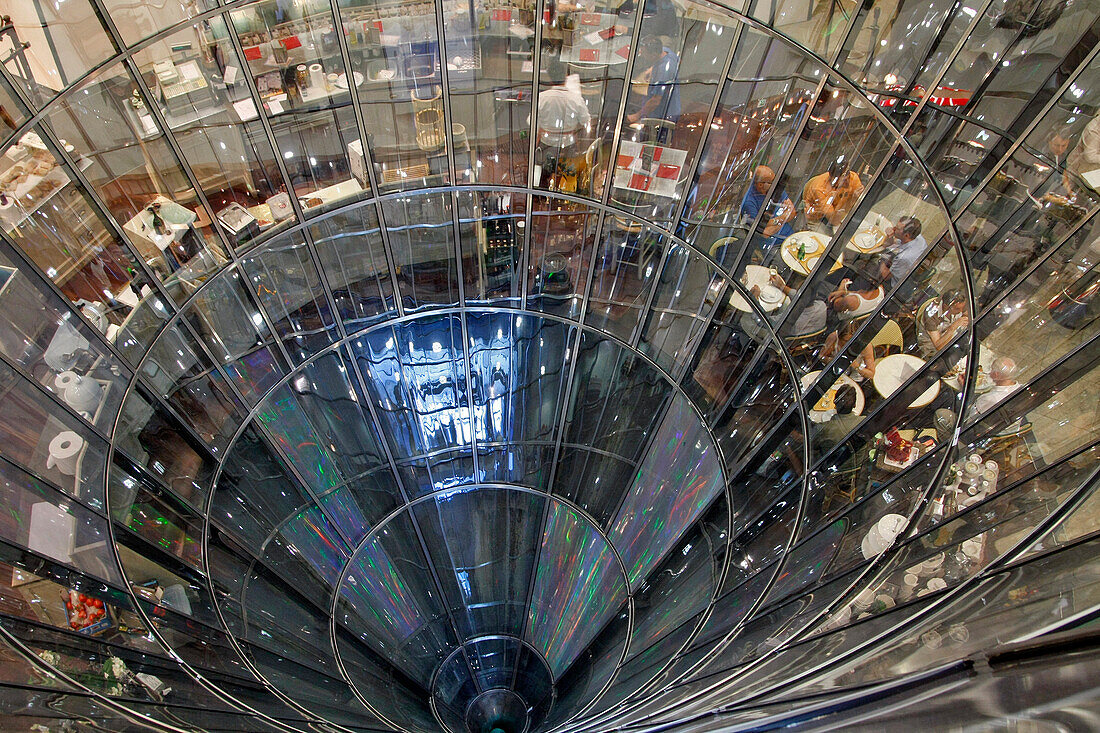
830 196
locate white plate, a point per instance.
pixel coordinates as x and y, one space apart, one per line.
342 80
770 295
865 240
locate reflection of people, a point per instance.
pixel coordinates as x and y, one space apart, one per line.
843 423
939 322
855 303
1003 373
1085 156
659 16
776 222
831 195
562 118
1058 146
660 66
904 249
562 113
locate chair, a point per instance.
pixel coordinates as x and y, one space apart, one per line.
845 485
1011 448
888 339
802 349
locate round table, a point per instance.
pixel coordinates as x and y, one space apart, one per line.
815 243
757 275
819 416
892 371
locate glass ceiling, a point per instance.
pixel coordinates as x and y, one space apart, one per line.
511 366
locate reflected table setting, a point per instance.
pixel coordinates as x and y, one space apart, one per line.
824 409
893 371
649 169
599 39
814 245
770 298
982 383
870 237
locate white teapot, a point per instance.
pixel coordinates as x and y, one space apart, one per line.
82 393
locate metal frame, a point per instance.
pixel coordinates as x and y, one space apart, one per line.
341 345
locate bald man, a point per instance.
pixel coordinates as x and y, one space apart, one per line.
1002 372
775 223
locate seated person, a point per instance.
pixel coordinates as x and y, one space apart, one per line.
1003 373
939 321
660 66
829 197
848 304
843 423
904 248
775 224
864 366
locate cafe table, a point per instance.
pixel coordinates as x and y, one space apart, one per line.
815 244
823 410
870 236
770 298
892 371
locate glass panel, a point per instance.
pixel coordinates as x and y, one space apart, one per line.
388 601
154 439
681 453
51 219
632 253
421 233
135 22
49 442
517 365
212 117
489 84
296 65
172 533
559 255
50 525
396 48
130 165
482 543
231 326
285 280
687 291
353 260
184 376
65 43
563 620
43 338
